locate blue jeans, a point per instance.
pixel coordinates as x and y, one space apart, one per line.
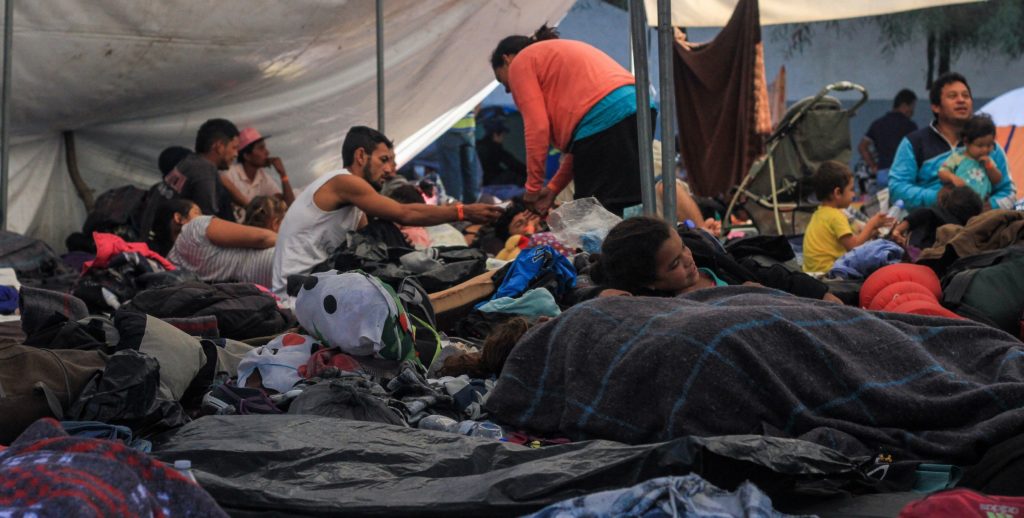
460 166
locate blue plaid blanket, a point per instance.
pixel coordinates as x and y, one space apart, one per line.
741 360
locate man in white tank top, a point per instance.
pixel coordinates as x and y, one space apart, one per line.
316 223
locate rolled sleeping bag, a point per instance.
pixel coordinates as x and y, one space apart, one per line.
887 275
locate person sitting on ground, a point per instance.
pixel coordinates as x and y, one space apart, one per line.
166 189
973 166
504 174
418 237
213 248
407 194
686 205
644 256
828 235
248 177
956 206
687 208
167 162
199 180
265 212
339 202
914 175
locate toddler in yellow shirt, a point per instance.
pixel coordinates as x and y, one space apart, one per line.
829 235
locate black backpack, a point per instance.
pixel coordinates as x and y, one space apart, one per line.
118 280
125 393
243 311
118 211
988 287
417 304
1000 471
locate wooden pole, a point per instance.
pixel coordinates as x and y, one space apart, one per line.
84 192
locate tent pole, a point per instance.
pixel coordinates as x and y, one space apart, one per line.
380 66
638 34
666 83
5 112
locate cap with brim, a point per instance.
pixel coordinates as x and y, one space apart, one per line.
248 136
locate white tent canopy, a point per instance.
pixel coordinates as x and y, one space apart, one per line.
131 77
1007 109
716 13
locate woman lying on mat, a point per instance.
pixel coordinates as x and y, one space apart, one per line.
646 257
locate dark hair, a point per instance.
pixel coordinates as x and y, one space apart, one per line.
262 210
171 157
361 137
163 239
935 94
961 202
515 44
79 242
904 96
502 224
247 149
979 125
628 259
406 194
491 360
830 175
212 132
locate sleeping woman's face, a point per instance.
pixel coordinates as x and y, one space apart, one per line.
674 266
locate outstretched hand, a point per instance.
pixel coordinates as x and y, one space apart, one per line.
482 212
540 203
880 220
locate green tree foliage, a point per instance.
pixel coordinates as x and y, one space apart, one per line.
995 27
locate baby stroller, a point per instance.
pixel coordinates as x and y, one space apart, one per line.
777 192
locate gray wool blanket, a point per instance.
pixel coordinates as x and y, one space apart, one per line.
741 360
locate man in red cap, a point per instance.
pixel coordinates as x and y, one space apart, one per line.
249 177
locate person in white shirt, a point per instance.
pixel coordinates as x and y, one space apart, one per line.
249 176
338 202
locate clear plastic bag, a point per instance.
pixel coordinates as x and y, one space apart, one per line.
582 224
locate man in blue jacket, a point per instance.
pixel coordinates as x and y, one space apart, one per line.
914 176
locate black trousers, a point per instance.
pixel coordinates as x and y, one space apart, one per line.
606 165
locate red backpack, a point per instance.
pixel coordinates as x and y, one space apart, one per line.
964 503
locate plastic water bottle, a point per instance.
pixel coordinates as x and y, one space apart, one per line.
485 429
468 427
895 212
184 467
488 430
439 423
